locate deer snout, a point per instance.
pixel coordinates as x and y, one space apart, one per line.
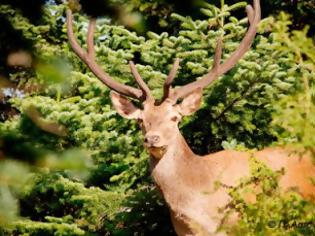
152 139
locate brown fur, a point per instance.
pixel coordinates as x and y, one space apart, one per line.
188 182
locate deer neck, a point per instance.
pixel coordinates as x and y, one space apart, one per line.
170 171
177 151
184 179
179 148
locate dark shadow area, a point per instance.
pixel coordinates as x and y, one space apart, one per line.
144 213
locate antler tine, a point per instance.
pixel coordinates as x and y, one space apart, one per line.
170 78
88 59
90 38
216 71
246 42
250 14
72 39
217 55
185 90
143 86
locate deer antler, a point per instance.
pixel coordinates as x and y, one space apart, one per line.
144 93
170 78
89 59
218 69
143 86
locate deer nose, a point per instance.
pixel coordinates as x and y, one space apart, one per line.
152 139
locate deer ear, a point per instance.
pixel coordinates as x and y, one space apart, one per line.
124 106
191 103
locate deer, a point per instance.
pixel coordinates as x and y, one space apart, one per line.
183 177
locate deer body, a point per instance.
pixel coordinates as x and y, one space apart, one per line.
188 182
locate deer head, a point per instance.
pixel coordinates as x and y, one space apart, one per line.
159 122
159 119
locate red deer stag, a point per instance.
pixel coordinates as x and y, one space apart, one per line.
182 176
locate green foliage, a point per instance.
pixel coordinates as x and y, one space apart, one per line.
159 11
272 212
28 228
238 106
65 200
301 12
144 213
156 13
56 205
294 115
9 209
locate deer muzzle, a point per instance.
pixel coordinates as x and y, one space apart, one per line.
152 140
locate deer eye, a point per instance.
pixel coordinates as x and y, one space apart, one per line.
174 118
